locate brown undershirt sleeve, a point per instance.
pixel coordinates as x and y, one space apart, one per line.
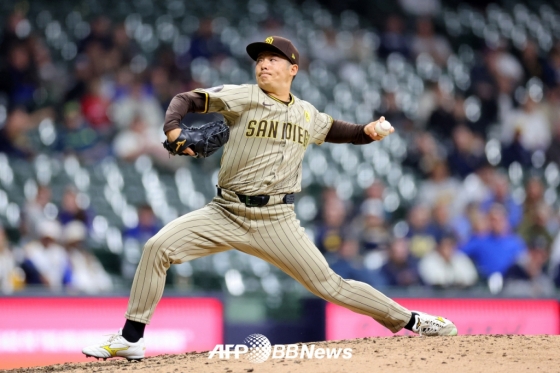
183 103
344 132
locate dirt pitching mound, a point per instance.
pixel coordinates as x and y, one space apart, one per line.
480 353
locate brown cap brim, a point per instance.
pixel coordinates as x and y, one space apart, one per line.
254 49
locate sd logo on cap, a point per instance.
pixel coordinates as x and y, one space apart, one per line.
276 44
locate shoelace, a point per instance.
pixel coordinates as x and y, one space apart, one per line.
429 325
112 337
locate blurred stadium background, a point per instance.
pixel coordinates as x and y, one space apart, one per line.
460 203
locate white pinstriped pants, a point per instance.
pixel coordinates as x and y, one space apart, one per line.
271 233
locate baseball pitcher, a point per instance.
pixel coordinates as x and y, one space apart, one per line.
269 130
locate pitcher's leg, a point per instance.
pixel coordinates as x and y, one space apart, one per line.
194 235
212 229
285 244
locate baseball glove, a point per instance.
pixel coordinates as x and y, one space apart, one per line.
204 140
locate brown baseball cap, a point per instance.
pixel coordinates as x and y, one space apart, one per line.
276 44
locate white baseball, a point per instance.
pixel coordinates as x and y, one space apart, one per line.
383 128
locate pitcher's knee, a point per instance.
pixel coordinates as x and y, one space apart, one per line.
328 286
155 251
151 243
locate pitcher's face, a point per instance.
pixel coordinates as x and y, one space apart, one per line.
273 70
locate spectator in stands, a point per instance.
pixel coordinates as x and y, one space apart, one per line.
467 153
94 107
126 47
501 195
18 79
401 268
471 223
49 73
556 277
393 39
34 211
505 63
70 209
515 151
554 60
328 235
420 241
8 268
474 189
440 222
86 272
459 111
477 186
326 49
328 197
375 192
102 63
442 121
100 33
77 137
535 65
46 262
124 79
365 45
551 107
206 44
83 72
505 100
349 265
138 139
480 226
446 266
528 278
372 228
497 251
423 154
538 225
163 89
427 102
9 34
14 139
554 259
553 151
535 136
440 187
426 41
137 103
534 197
484 87
148 225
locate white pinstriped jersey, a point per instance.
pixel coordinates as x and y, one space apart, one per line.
268 138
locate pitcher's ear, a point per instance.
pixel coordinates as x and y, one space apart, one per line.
294 69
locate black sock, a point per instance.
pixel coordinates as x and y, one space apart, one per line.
411 322
133 331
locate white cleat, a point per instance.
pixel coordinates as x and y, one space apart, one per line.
116 346
432 326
